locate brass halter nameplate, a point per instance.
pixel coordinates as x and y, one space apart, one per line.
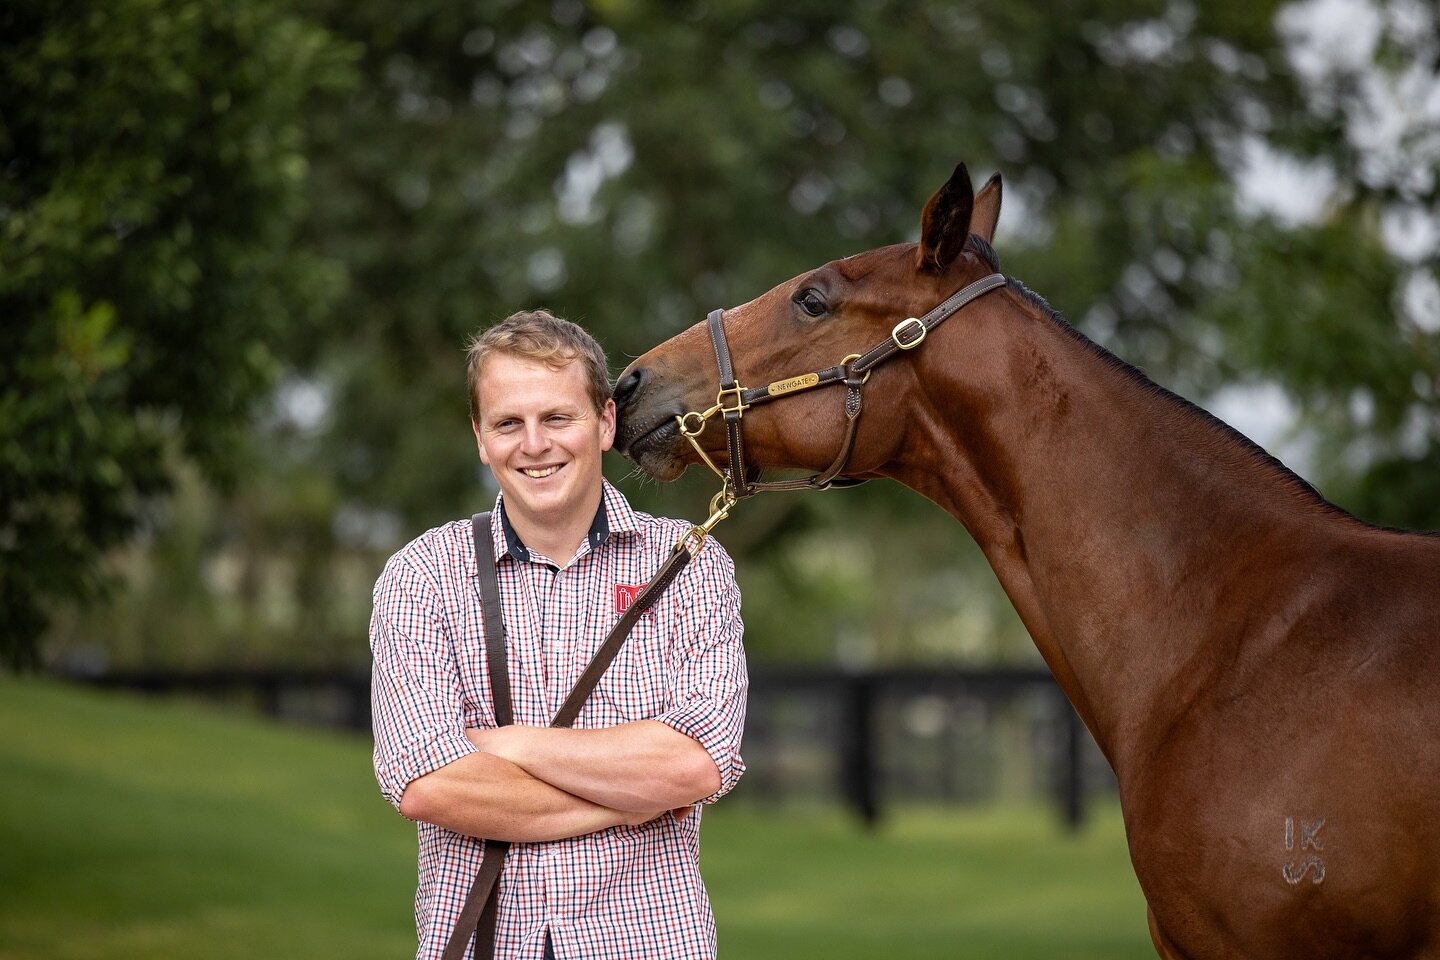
781 387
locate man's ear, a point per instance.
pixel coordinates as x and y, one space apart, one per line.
987 210
945 224
607 424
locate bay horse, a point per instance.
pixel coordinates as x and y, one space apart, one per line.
1260 668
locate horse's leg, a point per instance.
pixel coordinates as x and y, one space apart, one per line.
1162 946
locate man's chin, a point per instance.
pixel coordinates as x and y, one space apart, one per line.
551 505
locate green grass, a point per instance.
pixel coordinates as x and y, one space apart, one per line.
141 829
929 884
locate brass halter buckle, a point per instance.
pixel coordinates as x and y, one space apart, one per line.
905 325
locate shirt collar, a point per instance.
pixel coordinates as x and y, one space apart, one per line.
619 514
613 514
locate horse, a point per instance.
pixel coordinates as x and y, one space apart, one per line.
1260 668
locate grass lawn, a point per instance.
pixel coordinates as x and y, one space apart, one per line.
143 829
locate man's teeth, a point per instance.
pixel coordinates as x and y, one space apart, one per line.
540 473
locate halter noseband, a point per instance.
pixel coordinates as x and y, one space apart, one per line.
854 371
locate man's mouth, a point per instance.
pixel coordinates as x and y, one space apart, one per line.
540 473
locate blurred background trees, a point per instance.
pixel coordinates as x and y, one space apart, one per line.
153 171
243 249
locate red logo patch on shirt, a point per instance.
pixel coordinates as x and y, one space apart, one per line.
625 595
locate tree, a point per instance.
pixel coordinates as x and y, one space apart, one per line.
152 175
634 164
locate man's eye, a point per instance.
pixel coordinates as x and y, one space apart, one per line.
811 302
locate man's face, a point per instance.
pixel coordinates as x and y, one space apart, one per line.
541 436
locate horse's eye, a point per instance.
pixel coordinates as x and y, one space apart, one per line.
810 301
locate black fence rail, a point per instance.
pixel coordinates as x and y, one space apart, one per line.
870 737
946 735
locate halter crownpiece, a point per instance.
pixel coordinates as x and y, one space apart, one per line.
732 399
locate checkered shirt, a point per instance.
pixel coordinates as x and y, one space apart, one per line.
626 892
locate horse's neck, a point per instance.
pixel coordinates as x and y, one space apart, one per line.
1117 520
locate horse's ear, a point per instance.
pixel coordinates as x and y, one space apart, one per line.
945 224
987 210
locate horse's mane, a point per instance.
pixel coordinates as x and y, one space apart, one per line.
1248 449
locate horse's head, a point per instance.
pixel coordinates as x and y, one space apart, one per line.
824 322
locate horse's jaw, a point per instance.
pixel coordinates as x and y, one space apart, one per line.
660 457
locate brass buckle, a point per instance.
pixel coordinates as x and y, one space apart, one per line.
895 333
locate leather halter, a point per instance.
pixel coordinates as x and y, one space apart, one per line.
854 371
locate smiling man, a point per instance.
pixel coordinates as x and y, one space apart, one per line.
602 817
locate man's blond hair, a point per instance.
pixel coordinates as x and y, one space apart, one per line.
539 335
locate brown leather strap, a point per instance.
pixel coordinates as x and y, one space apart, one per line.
479 907
716 322
478 914
570 709
494 621
937 315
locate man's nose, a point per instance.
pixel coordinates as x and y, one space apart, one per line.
537 438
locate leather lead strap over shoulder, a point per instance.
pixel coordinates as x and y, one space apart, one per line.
494 620
478 914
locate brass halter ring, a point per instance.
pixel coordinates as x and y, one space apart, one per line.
855 356
699 425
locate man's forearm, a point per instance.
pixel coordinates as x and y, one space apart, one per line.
484 795
634 766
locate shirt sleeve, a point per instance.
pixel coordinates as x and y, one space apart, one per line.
415 693
707 697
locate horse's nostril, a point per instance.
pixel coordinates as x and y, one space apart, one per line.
628 384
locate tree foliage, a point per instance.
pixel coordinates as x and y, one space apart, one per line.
633 164
152 168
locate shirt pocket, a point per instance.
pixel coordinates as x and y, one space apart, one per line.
636 685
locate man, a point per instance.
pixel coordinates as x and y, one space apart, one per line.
605 840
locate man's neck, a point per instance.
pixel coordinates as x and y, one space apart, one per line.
556 540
